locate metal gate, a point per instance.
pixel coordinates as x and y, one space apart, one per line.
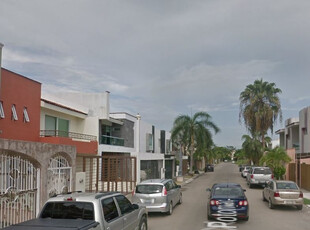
18 190
59 176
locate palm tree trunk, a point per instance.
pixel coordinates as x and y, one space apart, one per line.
191 154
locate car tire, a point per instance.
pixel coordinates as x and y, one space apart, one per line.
170 209
299 207
264 199
143 224
208 215
180 199
270 204
250 185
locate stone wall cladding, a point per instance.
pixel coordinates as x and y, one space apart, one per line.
39 154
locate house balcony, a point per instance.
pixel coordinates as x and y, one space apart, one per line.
85 144
109 140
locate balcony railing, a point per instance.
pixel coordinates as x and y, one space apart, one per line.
108 140
59 133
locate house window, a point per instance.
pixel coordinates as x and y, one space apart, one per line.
1 110
149 142
14 114
26 117
55 126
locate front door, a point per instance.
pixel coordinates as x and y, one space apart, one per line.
59 176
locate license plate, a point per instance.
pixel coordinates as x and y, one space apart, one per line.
228 203
148 201
289 202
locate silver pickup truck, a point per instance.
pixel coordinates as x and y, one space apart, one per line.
81 211
259 176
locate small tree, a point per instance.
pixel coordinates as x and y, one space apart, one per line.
276 160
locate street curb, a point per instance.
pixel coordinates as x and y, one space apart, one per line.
193 178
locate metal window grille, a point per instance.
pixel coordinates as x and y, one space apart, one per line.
1 110
14 113
26 116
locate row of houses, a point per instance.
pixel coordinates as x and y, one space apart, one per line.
295 139
51 144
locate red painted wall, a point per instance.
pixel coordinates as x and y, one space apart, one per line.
81 146
23 92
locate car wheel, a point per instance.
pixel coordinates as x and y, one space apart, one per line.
170 208
270 204
180 199
208 214
250 185
299 207
143 224
264 199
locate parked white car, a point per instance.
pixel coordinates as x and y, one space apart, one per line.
245 171
157 195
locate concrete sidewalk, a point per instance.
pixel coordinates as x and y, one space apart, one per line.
306 193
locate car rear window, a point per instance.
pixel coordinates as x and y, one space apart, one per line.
149 189
286 185
68 210
262 171
230 192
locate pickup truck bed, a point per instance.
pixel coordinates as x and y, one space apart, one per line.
53 224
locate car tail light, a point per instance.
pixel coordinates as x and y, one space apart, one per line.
301 195
252 176
214 202
165 191
243 203
272 176
276 194
133 192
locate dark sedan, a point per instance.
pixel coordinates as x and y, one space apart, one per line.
209 168
227 202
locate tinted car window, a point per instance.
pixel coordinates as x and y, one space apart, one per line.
109 209
230 192
68 210
124 204
149 189
271 185
169 185
262 171
285 185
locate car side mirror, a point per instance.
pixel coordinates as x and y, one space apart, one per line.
135 206
178 186
244 190
208 190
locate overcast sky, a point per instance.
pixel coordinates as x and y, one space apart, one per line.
164 58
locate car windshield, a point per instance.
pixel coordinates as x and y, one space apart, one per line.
262 171
228 192
149 189
286 185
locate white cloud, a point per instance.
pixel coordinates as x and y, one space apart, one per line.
163 58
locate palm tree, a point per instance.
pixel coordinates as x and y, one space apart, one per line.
260 107
194 131
276 160
252 147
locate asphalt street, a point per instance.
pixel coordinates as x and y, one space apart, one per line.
192 213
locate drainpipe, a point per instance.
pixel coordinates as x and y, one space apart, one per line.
1 45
